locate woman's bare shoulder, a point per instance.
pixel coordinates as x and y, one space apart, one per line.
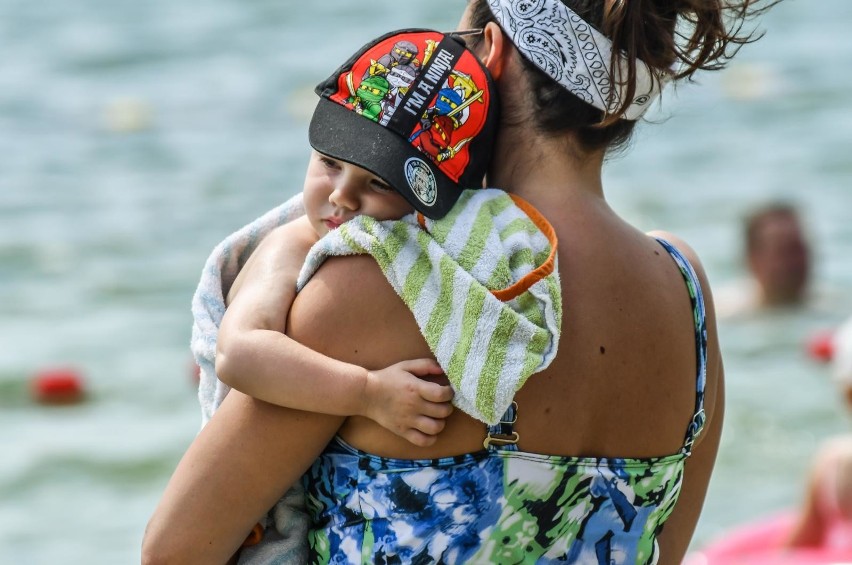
692 256
681 246
349 310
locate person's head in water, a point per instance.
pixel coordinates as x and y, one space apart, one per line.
778 254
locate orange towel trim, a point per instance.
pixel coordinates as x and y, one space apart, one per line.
543 270
255 536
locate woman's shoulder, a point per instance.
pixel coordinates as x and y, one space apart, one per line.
693 259
350 306
681 245
348 282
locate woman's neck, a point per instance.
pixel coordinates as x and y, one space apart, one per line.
547 171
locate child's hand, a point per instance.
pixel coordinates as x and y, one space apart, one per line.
410 407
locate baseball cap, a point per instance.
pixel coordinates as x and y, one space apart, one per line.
416 108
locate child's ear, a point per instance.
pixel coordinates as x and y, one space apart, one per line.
496 46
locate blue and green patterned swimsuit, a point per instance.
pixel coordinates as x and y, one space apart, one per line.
499 505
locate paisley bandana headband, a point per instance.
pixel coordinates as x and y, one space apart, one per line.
577 56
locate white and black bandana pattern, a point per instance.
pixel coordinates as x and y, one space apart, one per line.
573 53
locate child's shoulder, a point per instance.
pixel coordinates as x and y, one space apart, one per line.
297 233
281 251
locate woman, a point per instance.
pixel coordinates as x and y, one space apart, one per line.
631 409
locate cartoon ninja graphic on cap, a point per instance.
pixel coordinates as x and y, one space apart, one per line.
399 79
367 98
399 67
386 80
450 111
385 84
403 53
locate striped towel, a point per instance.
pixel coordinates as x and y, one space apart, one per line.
482 284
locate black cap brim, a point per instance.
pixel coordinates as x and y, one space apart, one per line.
343 134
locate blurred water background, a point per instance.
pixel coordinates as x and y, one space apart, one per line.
136 135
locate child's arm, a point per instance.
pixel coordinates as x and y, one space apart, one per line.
256 358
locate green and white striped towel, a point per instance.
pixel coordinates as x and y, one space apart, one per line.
483 286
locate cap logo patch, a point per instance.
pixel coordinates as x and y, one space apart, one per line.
421 180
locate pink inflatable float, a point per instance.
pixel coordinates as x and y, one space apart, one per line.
762 543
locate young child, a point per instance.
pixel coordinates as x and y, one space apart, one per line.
383 147
825 519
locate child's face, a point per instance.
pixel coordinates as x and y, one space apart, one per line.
336 191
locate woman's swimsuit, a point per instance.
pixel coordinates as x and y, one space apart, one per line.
500 505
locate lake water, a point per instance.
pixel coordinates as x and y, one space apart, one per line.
135 135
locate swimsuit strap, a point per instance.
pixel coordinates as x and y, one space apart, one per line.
698 312
502 435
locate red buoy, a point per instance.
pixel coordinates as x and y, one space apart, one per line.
820 346
57 386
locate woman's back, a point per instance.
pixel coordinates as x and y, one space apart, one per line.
623 382
623 385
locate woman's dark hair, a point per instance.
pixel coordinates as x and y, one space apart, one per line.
695 34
